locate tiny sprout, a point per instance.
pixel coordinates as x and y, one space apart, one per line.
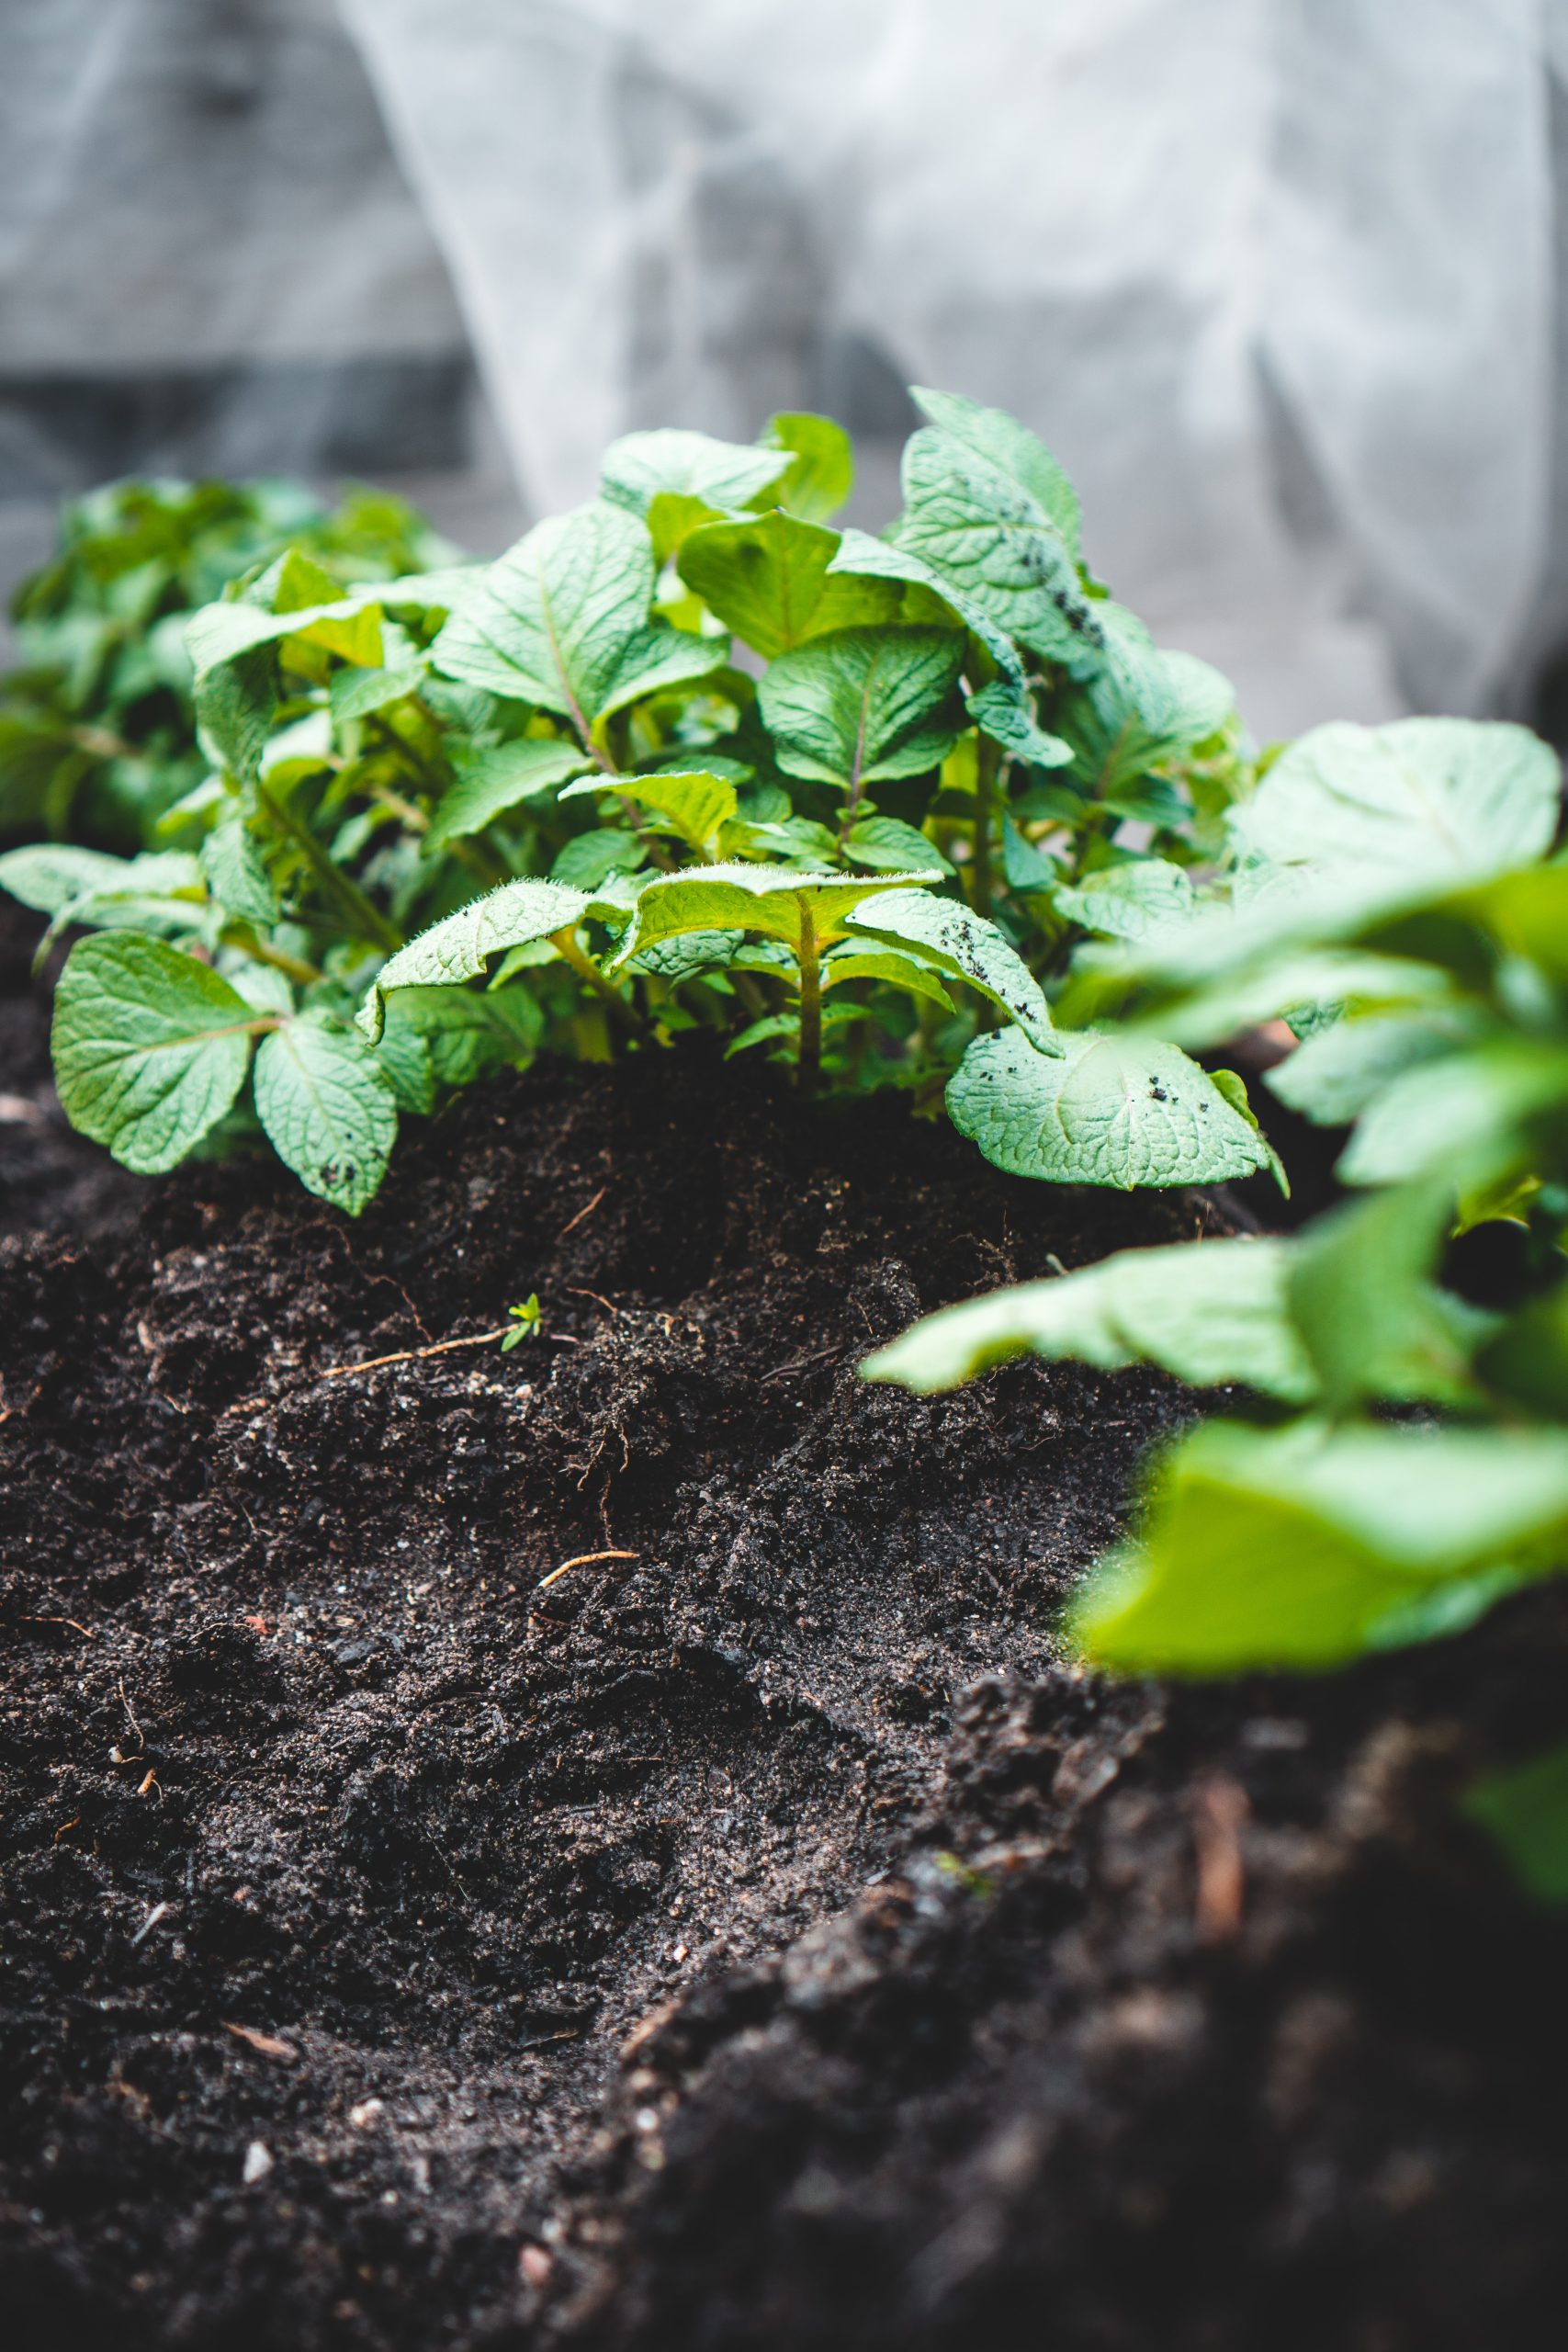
527 1320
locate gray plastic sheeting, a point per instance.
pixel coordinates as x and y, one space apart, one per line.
1274 277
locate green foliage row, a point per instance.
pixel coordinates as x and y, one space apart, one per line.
1403 1461
690 757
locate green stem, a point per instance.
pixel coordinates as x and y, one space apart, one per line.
987 758
293 968
564 942
810 1060
366 921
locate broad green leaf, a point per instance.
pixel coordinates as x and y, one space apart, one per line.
1140 709
672 516
785 1028
862 558
1026 867
51 875
1471 1114
821 471
235 873
150 1047
590 861
991 434
955 937
767 899
691 803
328 1108
562 622
348 625
1525 1810
1334 1076
768 579
1303 1548
1127 901
1003 711
490 781
1211 1312
985 528
456 948
235 704
721 473
1527 1360
355 694
446 1037
1421 797
863 704
693 952
887 844
1373 1321
884 964
1104 1110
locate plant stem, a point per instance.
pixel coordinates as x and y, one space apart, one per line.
564 942
293 968
987 758
366 921
810 1058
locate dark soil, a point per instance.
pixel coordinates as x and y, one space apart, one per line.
763 1940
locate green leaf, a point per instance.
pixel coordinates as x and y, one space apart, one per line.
998 533
561 622
694 951
1422 797
721 473
955 937
1127 901
1303 1548
150 1047
1527 1360
490 781
1366 1305
1141 709
766 899
51 875
784 1027
355 693
890 845
821 473
1003 711
1210 1312
768 579
328 1108
863 704
456 1035
456 948
235 705
672 516
1470 1114
235 873
691 803
1105 1110
1335 1075
588 861
884 964
1001 441
864 558
1525 1810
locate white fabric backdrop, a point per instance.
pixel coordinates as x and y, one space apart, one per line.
1276 278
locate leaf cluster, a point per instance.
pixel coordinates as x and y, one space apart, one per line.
688 758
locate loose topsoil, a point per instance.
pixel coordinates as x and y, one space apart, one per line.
754 1935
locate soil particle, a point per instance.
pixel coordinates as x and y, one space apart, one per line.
760 1937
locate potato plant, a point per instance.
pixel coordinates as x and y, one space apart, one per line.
1397 898
687 758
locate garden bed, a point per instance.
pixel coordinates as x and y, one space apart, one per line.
761 1937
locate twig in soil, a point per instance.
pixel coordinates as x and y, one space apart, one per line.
1220 1808
159 1911
416 1355
607 1305
587 1210
799 1363
581 1560
75 1623
131 1714
267 2044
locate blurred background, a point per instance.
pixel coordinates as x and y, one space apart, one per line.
1278 280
